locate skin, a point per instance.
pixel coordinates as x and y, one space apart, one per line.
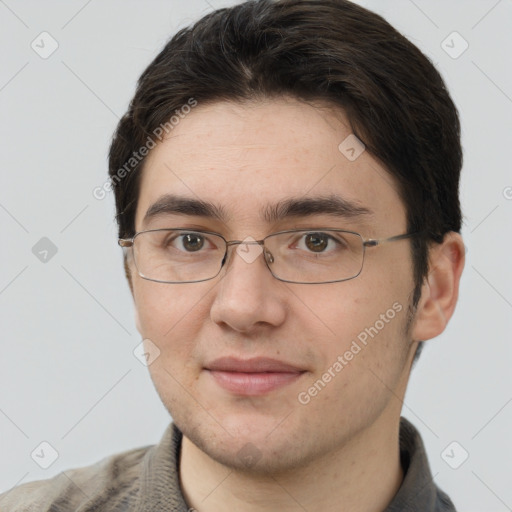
325 455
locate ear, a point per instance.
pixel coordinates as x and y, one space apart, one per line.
128 274
440 290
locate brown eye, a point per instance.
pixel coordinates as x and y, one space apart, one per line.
193 242
317 242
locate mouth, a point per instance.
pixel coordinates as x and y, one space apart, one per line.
252 377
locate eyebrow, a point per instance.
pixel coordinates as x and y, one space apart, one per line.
332 205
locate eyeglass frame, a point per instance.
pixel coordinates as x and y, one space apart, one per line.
127 243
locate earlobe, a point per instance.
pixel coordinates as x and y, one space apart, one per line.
441 288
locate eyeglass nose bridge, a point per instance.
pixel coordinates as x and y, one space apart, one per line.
269 258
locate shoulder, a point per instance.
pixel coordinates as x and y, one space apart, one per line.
113 480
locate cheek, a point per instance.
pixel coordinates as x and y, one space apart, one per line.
169 318
363 357
364 319
351 306
160 307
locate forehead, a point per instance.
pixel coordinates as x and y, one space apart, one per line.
249 160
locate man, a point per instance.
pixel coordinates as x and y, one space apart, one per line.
286 183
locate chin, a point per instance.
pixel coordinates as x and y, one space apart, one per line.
250 442
260 456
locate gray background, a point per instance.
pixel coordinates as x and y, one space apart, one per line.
68 375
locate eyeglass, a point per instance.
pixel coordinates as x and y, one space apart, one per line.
312 256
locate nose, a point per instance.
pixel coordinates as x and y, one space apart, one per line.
248 295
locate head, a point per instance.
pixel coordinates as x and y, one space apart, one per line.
248 108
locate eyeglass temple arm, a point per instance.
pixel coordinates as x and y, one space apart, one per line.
372 242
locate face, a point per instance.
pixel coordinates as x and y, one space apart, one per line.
344 343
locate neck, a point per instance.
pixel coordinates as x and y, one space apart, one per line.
363 475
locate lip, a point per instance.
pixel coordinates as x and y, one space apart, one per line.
252 377
253 365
